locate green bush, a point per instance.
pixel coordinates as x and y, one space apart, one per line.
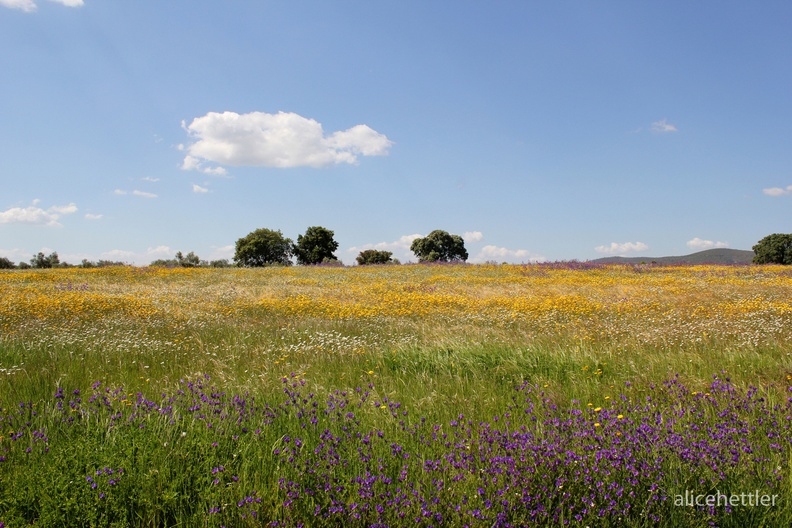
315 246
774 249
263 247
45 261
374 256
439 246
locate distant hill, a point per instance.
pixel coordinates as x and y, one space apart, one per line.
709 256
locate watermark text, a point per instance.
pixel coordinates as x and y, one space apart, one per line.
753 498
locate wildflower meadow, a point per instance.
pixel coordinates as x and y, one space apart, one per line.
558 394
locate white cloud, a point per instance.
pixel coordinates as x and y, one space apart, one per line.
150 179
118 255
199 189
402 243
778 191
215 171
400 248
70 3
142 194
663 127
190 163
91 216
224 252
16 254
63 209
700 244
502 254
159 251
139 258
36 215
360 139
29 6
472 236
279 140
619 249
193 163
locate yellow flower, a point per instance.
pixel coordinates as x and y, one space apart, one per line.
598 409
620 417
597 424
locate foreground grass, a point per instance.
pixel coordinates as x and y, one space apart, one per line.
436 395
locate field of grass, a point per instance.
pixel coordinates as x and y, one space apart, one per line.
430 395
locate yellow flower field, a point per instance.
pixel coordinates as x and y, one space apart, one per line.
283 318
649 304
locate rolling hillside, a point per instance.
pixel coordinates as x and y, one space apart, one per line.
709 256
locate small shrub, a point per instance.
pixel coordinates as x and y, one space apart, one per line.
374 256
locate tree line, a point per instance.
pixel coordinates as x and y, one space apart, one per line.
42 261
267 247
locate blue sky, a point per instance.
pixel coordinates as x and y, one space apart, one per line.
538 130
